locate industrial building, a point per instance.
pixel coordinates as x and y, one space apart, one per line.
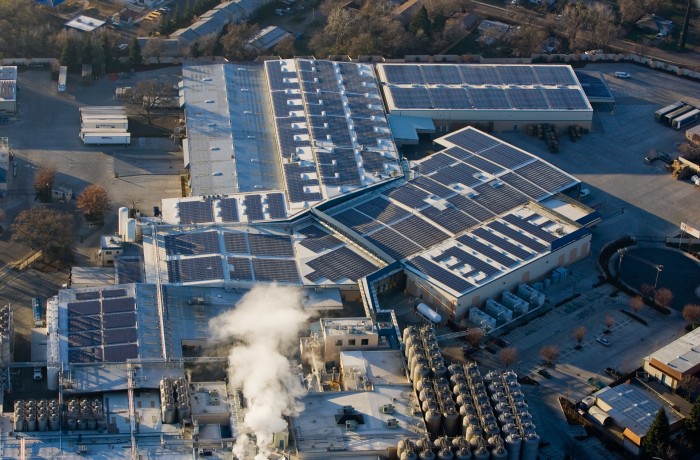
494 97
677 360
4 166
8 89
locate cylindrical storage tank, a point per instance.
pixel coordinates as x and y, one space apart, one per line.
455 369
72 424
169 415
524 418
19 423
519 407
464 397
184 411
491 430
31 423
527 428
445 454
510 376
406 332
513 442
426 393
54 424
513 385
495 387
415 352
517 396
130 231
86 410
405 443
509 429
439 370
408 455
502 408
42 422
420 372
491 376
499 398
459 381
123 214
423 383
463 453
426 454
464 410
432 421
481 453
42 403
92 424
530 447
430 404
82 424
423 443
499 453
451 420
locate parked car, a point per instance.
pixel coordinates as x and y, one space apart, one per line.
603 341
545 373
622 75
37 373
122 46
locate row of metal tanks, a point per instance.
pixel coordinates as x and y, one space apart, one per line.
45 415
5 336
486 414
174 400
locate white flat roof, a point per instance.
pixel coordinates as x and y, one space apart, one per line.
85 23
682 354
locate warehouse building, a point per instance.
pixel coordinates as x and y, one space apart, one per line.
678 360
493 97
8 89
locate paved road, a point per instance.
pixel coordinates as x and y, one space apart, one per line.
688 60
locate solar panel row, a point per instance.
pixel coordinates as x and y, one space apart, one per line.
339 265
474 74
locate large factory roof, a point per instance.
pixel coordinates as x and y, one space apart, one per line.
283 136
481 87
682 355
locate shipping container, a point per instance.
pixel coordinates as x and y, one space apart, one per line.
668 118
685 119
62 78
668 109
106 138
38 310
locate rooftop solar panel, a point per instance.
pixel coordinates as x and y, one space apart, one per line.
317 239
85 355
90 307
431 186
402 74
527 98
471 208
85 339
524 186
517 236
517 75
457 175
440 274
442 74
484 165
469 265
191 243
409 195
497 241
124 335
120 353
499 197
87 295
373 162
419 231
113 293
566 98
236 243
382 210
393 244
410 98
450 98
277 270
529 228
359 222
555 75
457 152
487 251
128 270
434 162
546 176
195 269
83 323
480 75
119 320
339 265
472 140
195 212
298 187
240 268
489 98
270 245
229 209
507 156
276 206
450 219
253 207
118 305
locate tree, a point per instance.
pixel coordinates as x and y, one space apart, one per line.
656 439
135 57
579 334
44 229
420 22
234 40
43 182
69 56
149 94
474 336
645 290
549 354
206 44
527 40
107 51
508 356
155 48
94 202
636 304
134 201
689 386
691 313
285 48
609 322
663 297
692 423
632 11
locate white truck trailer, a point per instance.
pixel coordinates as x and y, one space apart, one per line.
62 78
105 138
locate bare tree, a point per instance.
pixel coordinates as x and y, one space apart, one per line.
508 356
636 304
579 334
206 44
609 322
689 385
646 289
133 200
44 229
43 181
663 297
94 202
154 48
285 48
691 313
527 40
549 354
150 93
632 11
234 41
474 336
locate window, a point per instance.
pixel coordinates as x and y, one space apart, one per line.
365 342
109 253
338 343
351 342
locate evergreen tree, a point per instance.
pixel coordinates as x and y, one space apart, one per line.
656 439
106 52
135 57
439 23
420 21
692 423
69 56
87 57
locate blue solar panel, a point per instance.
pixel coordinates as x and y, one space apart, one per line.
410 98
507 156
195 269
357 221
297 186
340 265
191 243
525 186
566 99
442 75
489 98
449 98
439 274
480 75
529 228
393 244
484 165
487 251
277 270
546 176
400 74
517 75
431 186
499 197
555 75
527 98
240 268
472 140
195 212
382 210
408 195
470 207
253 207
517 236
419 231
276 207
434 162
236 243
270 245
318 239
507 246
450 219
456 258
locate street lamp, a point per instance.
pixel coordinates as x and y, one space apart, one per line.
659 268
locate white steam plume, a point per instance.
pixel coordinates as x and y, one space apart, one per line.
264 326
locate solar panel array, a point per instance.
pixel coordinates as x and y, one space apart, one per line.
102 327
195 212
317 239
191 243
233 208
340 264
195 269
330 114
461 86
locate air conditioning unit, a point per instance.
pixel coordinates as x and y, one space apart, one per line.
350 425
387 409
392 423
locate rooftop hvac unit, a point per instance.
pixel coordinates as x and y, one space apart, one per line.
351 425
387 409
392 423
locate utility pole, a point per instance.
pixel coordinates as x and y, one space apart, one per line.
686 24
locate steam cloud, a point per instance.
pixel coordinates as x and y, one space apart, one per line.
264 326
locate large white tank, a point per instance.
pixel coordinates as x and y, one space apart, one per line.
408 455
405 444
451 421
426 454
432 421
429 313
19 423
445 454
42 422
54 424
130 231
31 422
72 424
91 424
123 214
